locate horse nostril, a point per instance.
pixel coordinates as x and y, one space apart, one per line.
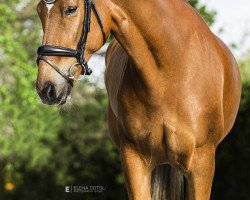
49 91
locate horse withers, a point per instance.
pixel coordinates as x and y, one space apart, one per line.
173 87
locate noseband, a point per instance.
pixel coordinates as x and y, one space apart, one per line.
48 50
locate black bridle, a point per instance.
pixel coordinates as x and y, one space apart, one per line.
48 50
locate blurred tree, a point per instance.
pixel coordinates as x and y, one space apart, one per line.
244 65
24 122
208 15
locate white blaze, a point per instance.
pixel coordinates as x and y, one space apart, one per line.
49 6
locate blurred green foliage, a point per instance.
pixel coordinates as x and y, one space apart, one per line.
245 68
208 15
42 149
24 122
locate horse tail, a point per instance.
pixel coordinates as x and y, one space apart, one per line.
167 183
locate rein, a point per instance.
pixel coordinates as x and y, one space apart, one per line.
49 50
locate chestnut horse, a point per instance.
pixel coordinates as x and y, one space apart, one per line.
173 87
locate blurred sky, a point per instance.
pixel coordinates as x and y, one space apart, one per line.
232 15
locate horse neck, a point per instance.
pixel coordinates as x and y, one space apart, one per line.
147 33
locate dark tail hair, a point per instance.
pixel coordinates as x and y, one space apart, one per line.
167 183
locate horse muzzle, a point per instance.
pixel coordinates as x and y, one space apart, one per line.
51 94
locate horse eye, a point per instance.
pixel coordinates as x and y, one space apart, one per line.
70 10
